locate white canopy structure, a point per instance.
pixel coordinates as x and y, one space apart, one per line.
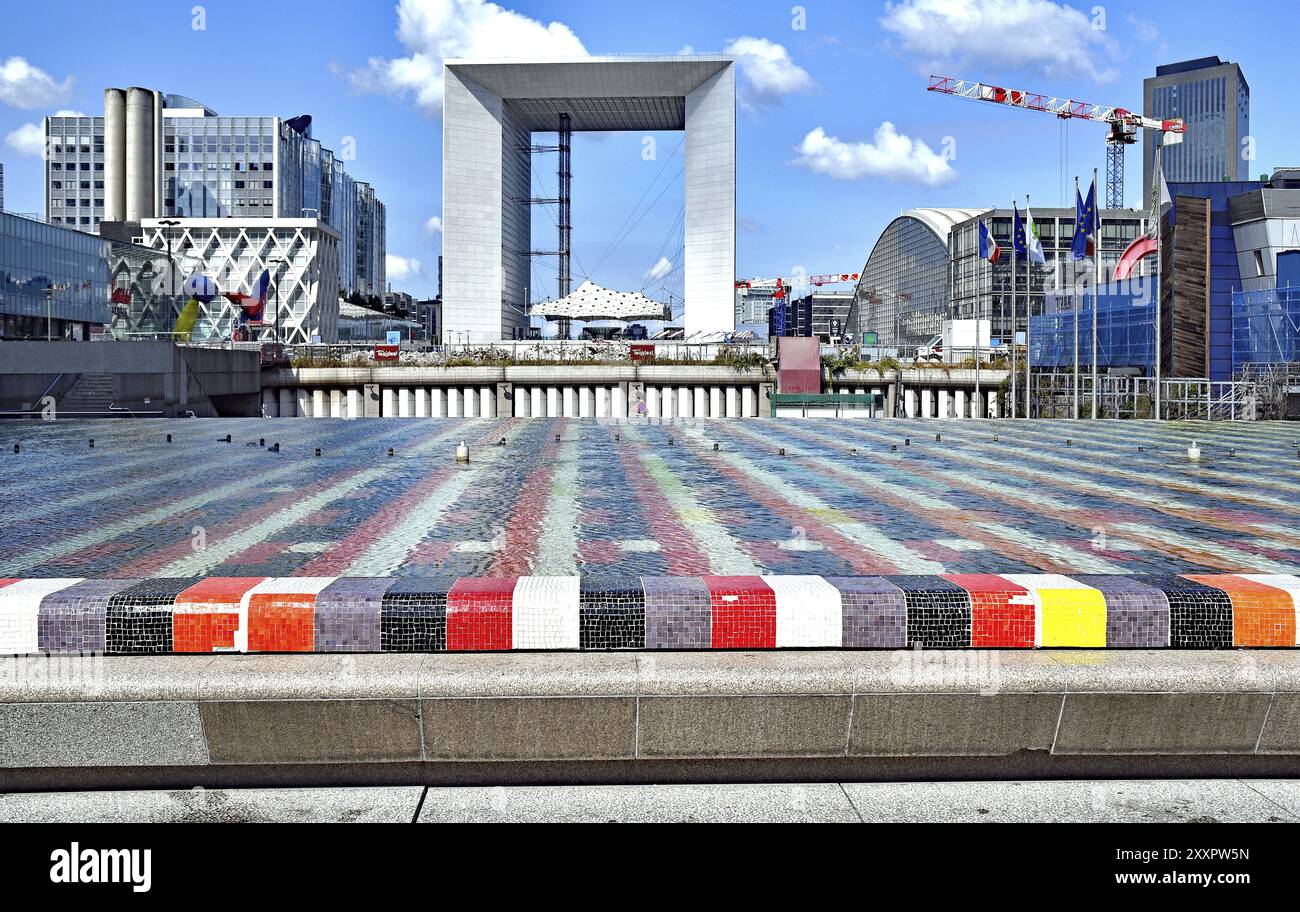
592 302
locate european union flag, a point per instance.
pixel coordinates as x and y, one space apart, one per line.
1018 241
1085 223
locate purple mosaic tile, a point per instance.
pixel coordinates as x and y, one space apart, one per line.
71 621
875 612
678 612
1137 614
348 615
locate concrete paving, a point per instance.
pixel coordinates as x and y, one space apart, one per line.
1130 801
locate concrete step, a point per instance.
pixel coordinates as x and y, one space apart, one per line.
1076 801
90 393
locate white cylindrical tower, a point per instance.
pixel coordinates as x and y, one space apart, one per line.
139 154
114 155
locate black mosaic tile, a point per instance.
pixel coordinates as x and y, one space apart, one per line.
1200 616
413 614
938 612
138 619
611 612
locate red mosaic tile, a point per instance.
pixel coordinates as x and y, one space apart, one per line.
744 612
479 614
1002 613
206 615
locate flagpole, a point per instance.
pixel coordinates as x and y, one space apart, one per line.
1015 317
1096 293
1159 191
978 304
1077 226
1029 310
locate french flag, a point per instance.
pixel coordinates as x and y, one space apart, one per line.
989 249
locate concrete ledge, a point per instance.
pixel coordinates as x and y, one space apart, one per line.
519 715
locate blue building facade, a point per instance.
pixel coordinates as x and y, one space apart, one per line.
53 280
1126 329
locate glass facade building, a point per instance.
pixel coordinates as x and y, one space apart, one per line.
53 280
201 165
1126 329
1212 97
1265 327
926 269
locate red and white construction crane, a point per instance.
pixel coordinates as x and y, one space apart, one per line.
799 281
1124 124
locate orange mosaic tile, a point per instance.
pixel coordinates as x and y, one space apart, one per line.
1261 615
206 615
282 622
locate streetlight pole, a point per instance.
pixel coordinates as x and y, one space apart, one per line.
171 269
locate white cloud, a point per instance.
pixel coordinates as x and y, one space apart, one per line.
67 113
29 139
660 269
435 30
891 155
400 269
25 86
1146 30
768 69
433 225
1053 38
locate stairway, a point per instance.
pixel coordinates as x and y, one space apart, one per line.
91 395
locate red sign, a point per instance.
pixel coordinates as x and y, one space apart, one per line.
386 352
641 352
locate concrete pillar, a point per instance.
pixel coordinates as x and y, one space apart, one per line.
584 402
701 402
270 404
553 402
303 399
537 402
909 402
421 402
891 401
684 405
602 402
733 402
438 402
469 407
115 155
667 403
319 400
715 402
336 403
977 404
961 403
404 403
749 402
388 402
287 406
487 402
652 401
140 162
523 402
354 408
944 402
454 402
570 402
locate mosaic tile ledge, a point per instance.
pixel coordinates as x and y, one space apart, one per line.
470 614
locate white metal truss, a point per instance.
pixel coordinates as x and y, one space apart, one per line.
234 253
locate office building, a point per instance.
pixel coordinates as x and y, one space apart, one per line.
53 280
152 155
926 269
1212 98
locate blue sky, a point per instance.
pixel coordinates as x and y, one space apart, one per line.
819 172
